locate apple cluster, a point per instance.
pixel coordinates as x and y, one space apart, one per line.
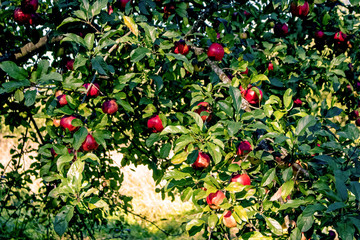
27 12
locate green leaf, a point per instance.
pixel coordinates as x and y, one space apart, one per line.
30 96
89 39
268 177
62 219
215 152
275 226
213 220
62 160
186 194
287 98
182 142
165 150
332 112
304 124
153 138
295 234
130 23
139 53
236 97
235 187
254 236
95 202
75 175
260 77
197 118
287 188
304 223
174 130
99 65
97 6
71 37
194 226
346 230
68 20
179 158
100 136
241 212
335 206
126 105
293 204
79 137
13 70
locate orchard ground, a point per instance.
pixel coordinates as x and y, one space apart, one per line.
139 184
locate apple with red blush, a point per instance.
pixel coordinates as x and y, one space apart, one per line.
89 144
155 124
204 107
243 148
214 200
94 89
65 123
110 107
202 161
229 220
216 52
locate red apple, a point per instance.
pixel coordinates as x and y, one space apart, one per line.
340 36
29 6
155 124
110 107
251 96
123 3
110 10
56 122
216 52
62 100
94 89
246 71
89 144
181 47
243 148
204 106
270 66
228 219
281 29
21 17
247 14
202 161
319 34
298 103
214 200
243 179
299 10
70 64
65 123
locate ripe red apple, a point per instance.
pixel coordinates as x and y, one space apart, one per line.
202 161
214 200
243 148
243 179
110 107
216 52
281 29
70 64
298 102
246 71
270 66
155 124
319 34
94 89
62 100
21 17
228 219
181 47
204 106
29 6
247 14
123 3
56 122
250 95
340 37
110 10
89 144
299 10
65 123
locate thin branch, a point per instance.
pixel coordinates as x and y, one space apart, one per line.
162 230
36 128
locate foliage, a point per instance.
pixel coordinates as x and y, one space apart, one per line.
304 167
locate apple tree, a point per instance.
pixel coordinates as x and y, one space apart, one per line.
248 109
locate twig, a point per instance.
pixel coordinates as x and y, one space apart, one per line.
162 230
36 127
